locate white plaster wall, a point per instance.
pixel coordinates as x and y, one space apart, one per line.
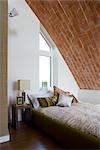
63 78
23 47
90 96
23 60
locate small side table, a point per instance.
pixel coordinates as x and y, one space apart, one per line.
25 111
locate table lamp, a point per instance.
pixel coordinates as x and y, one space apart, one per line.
23 85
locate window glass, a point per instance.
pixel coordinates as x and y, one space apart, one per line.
44 71
43 44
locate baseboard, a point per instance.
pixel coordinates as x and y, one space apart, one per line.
4 138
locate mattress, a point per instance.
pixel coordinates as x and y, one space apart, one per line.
83 116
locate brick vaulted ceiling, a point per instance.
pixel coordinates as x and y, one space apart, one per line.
74 26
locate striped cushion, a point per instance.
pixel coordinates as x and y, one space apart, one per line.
57 92
74 100
47 101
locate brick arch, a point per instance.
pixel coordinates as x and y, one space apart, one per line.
74 26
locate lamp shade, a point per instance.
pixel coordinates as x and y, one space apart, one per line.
23 85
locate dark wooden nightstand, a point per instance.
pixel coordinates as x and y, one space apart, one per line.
25 113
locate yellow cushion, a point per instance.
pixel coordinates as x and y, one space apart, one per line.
47 101
57 91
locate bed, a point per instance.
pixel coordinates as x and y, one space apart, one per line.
77 126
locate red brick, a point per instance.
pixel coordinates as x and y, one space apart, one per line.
74 26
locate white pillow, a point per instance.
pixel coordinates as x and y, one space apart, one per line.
64 100
33 101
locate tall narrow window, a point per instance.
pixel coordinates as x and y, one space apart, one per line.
45 61
44 70
44 44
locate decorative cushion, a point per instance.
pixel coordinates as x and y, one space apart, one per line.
57 92
47 101
64 100
74 100
33 101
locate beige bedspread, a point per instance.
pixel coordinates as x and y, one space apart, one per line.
84 116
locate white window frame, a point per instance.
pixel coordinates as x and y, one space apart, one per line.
47 54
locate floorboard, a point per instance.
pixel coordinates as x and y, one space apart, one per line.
28 138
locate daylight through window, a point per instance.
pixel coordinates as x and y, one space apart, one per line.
45 61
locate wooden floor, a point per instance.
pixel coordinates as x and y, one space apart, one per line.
28 138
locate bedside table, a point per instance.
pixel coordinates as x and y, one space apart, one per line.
25 113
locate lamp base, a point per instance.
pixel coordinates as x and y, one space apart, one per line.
23 95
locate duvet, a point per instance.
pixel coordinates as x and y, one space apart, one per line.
83 116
